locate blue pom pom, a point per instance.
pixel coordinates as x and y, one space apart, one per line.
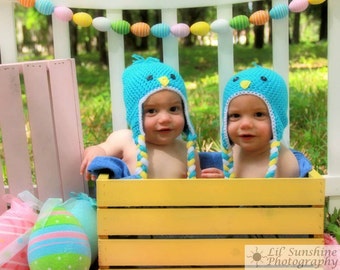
45 7
279 11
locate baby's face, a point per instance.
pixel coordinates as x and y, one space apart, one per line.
249 123
163 117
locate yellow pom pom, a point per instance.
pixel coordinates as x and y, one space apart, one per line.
200 28
82 19
316 2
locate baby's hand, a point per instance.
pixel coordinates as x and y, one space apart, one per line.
89 154
212 173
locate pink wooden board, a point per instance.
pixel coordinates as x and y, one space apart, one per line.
67 124
55 128
42 130
12 122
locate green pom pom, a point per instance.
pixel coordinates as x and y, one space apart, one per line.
239 22
121 27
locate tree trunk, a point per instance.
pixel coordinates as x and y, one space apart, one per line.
296 29
258 29
323 24
74 40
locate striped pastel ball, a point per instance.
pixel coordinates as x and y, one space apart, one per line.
63 13
102 24
316 2
121 27
140 29
200 28
239 22
27 3
160 30
82 19
220 26
58 241
180 30
259 17
298 6
44 7
279 11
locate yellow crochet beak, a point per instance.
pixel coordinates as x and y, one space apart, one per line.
245 84
164 81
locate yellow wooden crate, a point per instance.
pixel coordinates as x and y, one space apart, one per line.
205 222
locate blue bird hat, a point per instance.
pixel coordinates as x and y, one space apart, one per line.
140 80
271 88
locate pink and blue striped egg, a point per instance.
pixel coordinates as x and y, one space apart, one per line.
58 242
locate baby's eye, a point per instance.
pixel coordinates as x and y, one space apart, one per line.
260 114
233 116
175 109
235 79
149 111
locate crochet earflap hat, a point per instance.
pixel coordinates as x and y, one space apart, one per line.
140 80
271 88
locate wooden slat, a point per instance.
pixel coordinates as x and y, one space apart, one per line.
187 221
65 100
42 129
160 192
3 206
57 137
55 127
186 252
12 123
204 223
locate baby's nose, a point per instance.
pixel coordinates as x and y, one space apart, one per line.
164 116
246 122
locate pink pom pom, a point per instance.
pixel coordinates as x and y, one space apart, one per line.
63 13
180 30
298 5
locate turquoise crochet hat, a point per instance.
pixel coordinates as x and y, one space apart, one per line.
140 80
271 88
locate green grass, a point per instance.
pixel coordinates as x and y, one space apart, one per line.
307 82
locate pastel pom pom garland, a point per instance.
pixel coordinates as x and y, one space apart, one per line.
161 30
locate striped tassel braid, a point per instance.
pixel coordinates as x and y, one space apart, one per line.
228 163
191 144
142 158
273 158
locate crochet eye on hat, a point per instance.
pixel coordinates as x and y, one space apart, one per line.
140 80
271 88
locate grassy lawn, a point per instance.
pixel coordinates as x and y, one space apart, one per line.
307 82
